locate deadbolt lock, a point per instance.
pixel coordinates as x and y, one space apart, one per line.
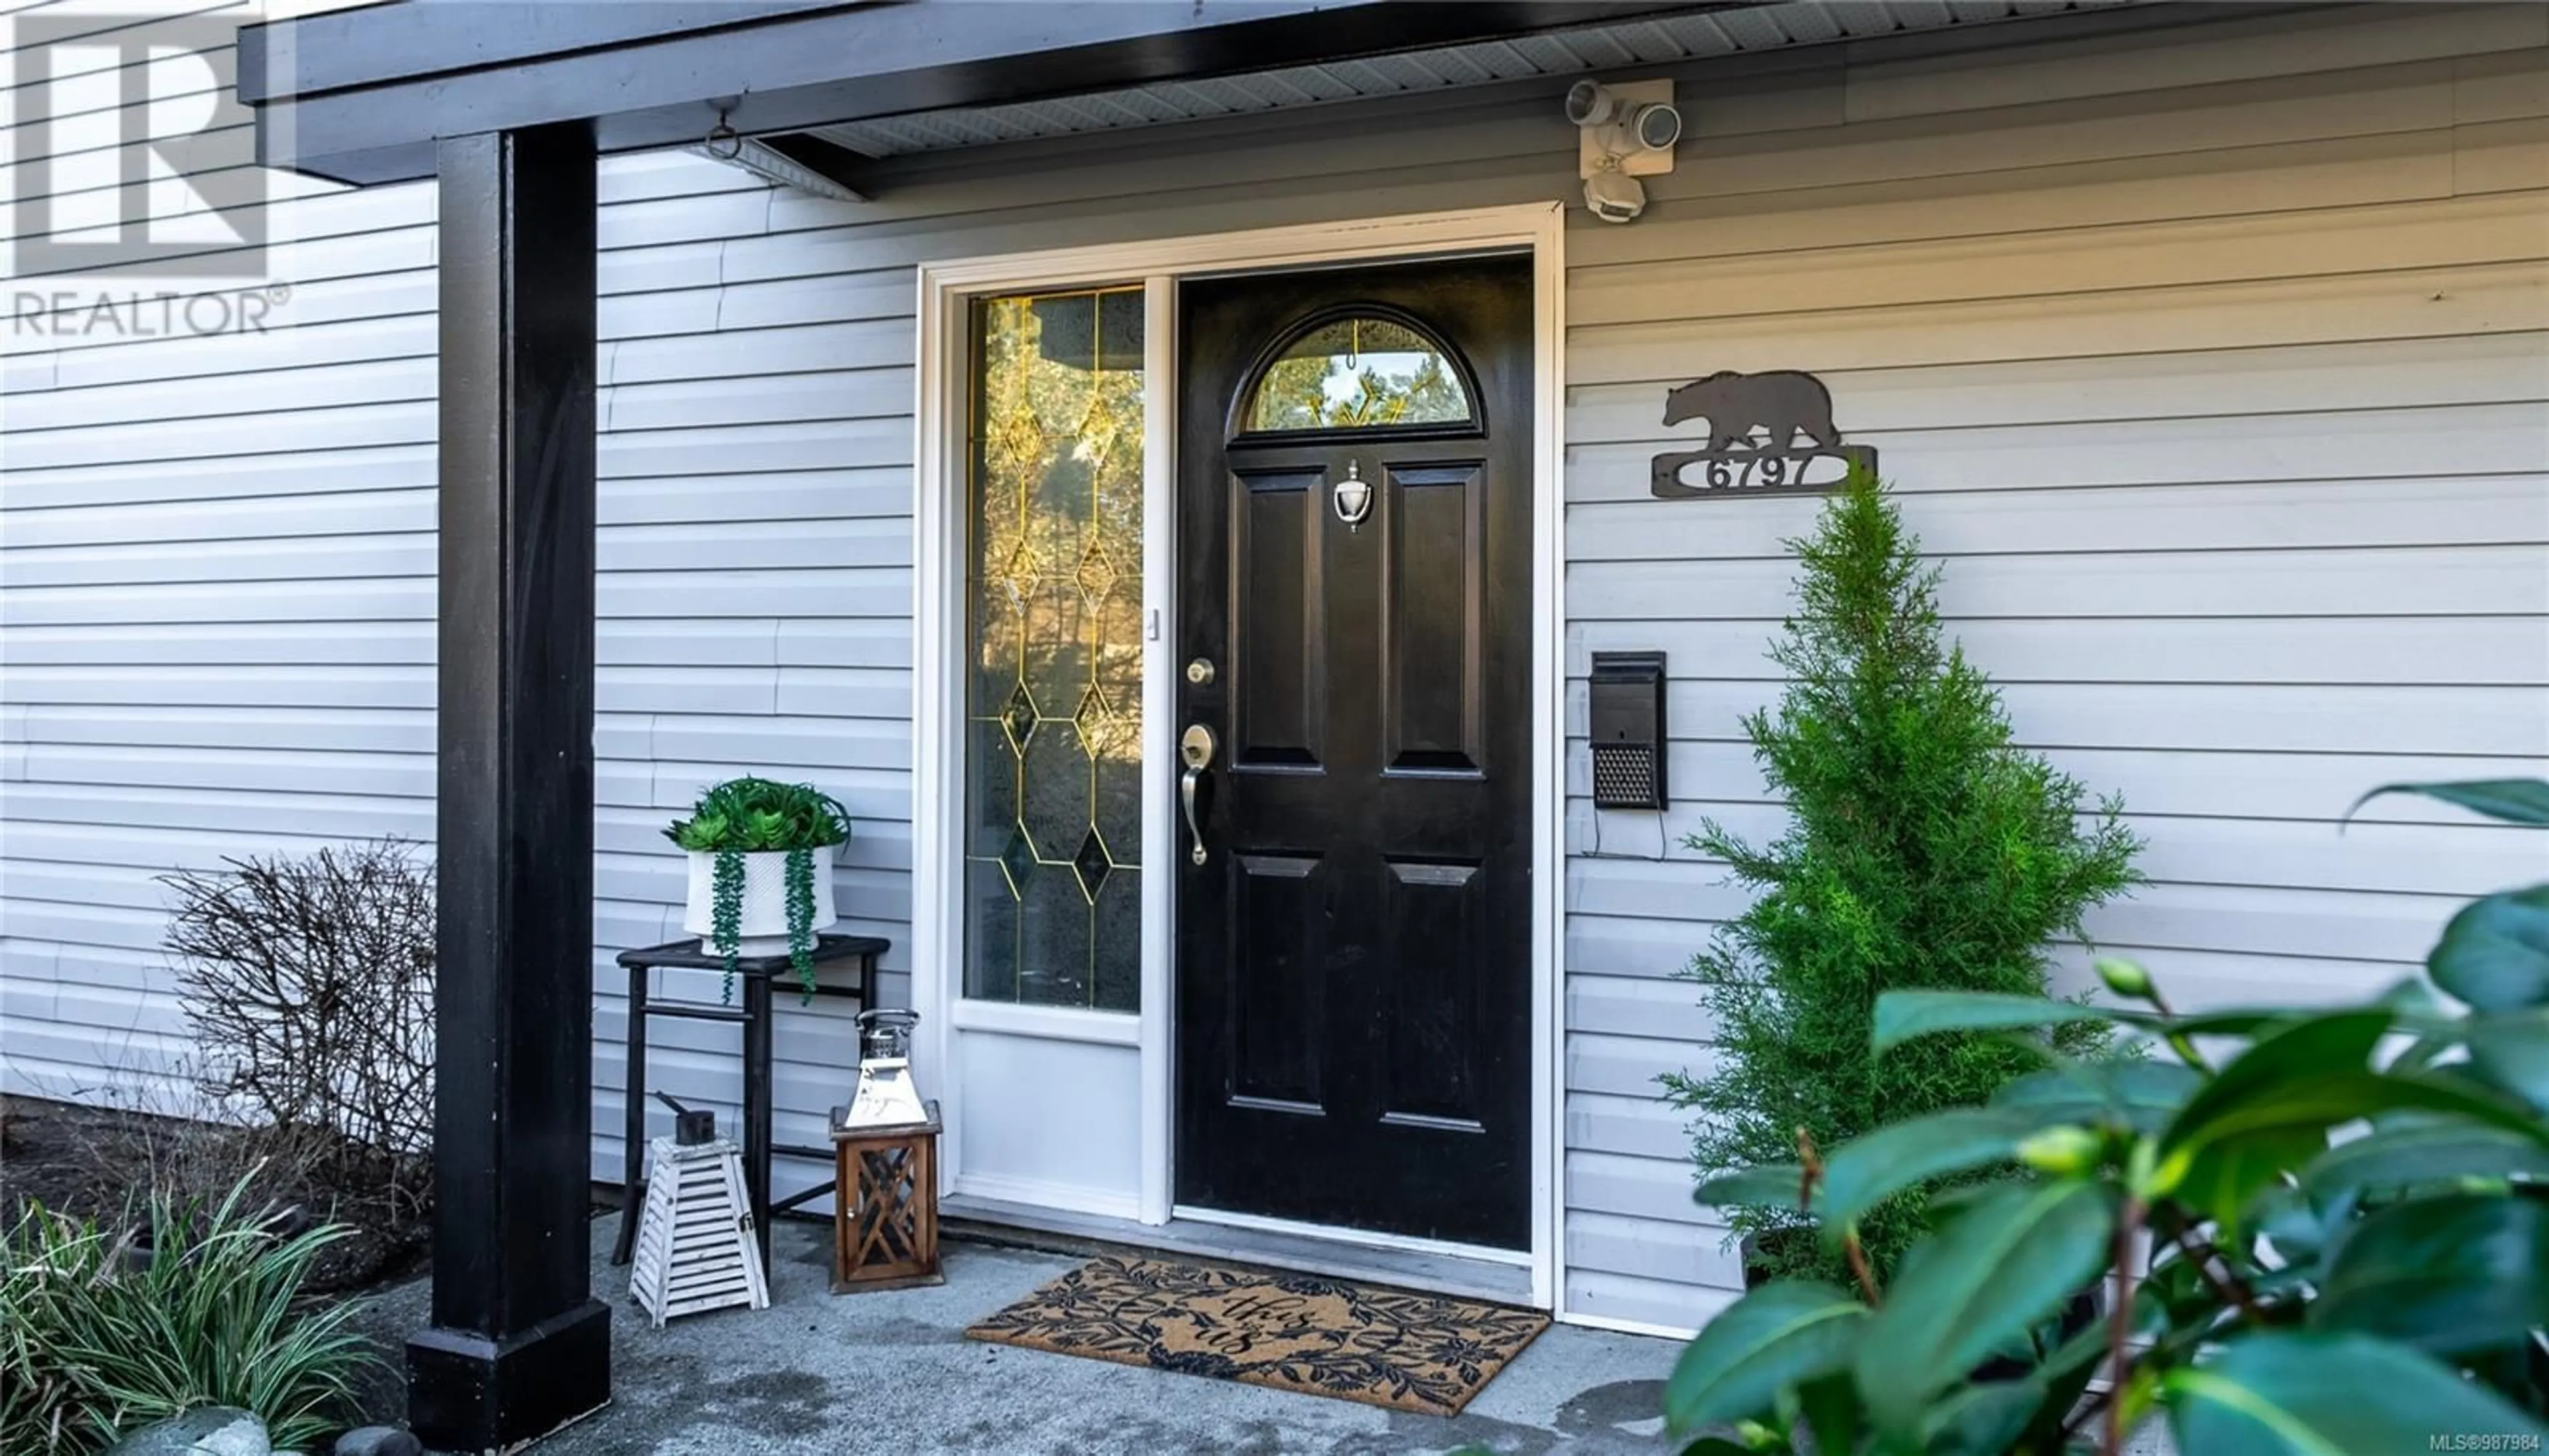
1199 672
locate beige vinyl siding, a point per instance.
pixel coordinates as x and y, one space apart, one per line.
2213 362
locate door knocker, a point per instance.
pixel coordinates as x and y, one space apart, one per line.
1353 496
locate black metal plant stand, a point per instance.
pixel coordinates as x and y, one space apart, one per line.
756 973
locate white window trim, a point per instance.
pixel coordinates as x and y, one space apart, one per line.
940 353
1053 1023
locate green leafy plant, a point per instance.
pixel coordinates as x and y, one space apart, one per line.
1923 851
2349 1238
98 1336
744 816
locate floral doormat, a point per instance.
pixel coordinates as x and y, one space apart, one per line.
1418 1352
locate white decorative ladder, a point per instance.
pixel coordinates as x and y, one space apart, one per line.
695 1248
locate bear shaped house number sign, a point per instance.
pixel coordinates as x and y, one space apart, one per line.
1769 434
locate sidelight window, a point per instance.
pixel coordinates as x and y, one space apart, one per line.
1360 372
1053 797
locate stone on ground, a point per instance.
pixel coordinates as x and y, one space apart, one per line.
206 1431
379 1440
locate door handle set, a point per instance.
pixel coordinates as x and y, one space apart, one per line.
1195 748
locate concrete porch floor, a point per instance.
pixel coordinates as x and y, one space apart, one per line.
891 1372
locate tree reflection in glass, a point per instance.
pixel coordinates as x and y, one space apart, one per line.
1355 374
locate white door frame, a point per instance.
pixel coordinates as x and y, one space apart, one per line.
938 625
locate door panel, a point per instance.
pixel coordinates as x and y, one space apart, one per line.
1434 618
1276 686
1430 924
1354 1010
1278 1020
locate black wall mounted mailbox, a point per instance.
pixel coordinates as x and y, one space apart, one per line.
1628 730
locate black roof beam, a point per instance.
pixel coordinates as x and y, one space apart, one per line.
360 95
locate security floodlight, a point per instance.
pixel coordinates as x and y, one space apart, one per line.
1626 129
1614 196
1649 126
1590 104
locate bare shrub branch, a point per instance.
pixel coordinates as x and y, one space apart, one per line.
310 983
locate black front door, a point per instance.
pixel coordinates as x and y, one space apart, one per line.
1353 951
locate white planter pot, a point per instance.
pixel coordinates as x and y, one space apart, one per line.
764 927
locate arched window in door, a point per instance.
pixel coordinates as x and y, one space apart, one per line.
1364 369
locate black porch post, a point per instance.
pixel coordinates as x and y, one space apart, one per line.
518 1346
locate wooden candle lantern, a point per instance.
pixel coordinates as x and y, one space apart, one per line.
885 1209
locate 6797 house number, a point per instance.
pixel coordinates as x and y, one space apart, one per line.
1754 425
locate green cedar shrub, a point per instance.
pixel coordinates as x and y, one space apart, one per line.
1923 851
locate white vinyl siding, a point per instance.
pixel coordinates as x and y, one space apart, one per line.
2212 367
2212 362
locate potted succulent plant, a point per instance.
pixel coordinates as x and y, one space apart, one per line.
761 870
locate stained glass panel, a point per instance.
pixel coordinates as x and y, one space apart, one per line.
1054 593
